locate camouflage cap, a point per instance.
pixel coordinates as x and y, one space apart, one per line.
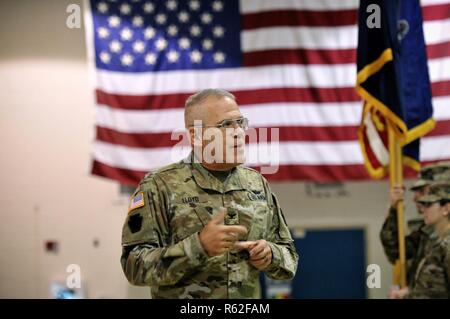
436 172
419 184
438 191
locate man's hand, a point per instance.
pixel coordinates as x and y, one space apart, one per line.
217 238
395 293
259 250
396 194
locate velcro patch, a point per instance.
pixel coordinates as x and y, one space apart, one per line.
135 223
136 201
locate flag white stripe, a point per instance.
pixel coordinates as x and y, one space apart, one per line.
287 153
340 75
252 6
326 38
436 31
331 38
434 148
375 141
260 115
316 75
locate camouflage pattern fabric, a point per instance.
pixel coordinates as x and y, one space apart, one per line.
160 243
417 243
432 279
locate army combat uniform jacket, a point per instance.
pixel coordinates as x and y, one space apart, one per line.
160 243
433 273
417 243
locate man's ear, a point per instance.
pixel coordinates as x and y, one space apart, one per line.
194 135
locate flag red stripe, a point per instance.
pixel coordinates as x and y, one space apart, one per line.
441 88
294 133
317 173
147 140
278 18
299 56
122 175
436 12
245 97
315 56
438 50
442 128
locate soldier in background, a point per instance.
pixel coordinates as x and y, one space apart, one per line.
432 278
206 229
421 236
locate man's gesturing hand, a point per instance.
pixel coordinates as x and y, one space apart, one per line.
217 238
260 252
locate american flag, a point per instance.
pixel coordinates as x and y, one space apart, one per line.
290 63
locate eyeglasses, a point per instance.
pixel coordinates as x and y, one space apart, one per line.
242 122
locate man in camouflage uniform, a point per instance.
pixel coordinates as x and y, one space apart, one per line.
421 236
432 278
202 229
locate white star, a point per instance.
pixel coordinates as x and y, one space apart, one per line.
183 16
207 44
138 21
218 31
105 57
172 30
173 56
219 57
217 6
149 33
102 7
194 5
171 5
195 56
161 44
148 7
125 8
127 59
184 43
206 18
195 30
126 34
150 58
139 46
115 46
161 18
103 32
114 21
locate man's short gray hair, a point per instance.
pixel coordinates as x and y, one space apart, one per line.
199 97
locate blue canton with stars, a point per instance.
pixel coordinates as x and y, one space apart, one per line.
146 36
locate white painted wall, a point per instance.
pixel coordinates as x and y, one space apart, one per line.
46 130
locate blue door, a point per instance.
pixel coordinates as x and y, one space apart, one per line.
331 265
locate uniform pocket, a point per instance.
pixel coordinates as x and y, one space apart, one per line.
184 224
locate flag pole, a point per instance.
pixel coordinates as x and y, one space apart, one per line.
396 178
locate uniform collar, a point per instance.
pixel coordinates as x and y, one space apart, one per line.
206 180
446 234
